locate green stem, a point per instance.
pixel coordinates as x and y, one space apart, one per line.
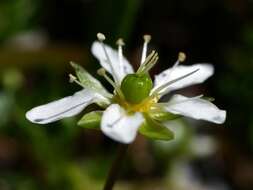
114 171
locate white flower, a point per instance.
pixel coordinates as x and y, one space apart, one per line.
129 108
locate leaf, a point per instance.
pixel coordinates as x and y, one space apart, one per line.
87 80
155 130
91 120
163 116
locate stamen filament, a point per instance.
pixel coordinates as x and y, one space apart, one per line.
158 91
147 39
149 60
183 101
150 56
181 58
102 72
72 79
151 64
120 44
101 38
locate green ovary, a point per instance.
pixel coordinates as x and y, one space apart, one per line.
136 87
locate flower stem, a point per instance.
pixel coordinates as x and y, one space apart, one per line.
114 171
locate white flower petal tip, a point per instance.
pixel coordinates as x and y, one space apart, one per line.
119 126
196 108
118 69
205 71
65 107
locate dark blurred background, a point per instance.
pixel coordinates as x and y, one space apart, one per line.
38 38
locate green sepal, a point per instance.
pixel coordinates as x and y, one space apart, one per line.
91 120
87 80
163 116
210 99
155 130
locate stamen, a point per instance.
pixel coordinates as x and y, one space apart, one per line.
147 60
163 87
183 101
147 39
181 58
72 79
102 72
151 64
101 38
120 44
148 63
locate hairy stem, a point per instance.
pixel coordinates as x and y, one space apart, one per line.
116 165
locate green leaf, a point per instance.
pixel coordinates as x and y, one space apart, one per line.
87 80
163 116
91 120
155 130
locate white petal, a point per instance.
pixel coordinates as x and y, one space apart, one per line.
120 126
204 72
196 108
65 107
98 51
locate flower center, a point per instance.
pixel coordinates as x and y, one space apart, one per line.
143 106
136 87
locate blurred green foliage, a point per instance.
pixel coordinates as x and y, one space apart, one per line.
17 16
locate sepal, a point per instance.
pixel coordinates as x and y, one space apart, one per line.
91 120
155 130
88 81
162 116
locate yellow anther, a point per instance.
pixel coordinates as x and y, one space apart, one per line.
181 56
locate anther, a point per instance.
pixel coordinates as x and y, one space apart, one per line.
101 72
181 57
120 42
100 36
72 78
147 38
